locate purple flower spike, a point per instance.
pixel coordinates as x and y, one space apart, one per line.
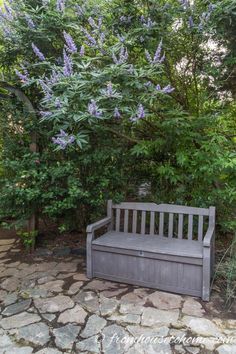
141 112
61 5
123 56
109 90
93 109
190 21
68 64
71 46
23 77
38 53
82 51
63 139
168 89
30 22
157 59
117 114
45 115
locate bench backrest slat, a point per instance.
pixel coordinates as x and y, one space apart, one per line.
200 227
134 225
180 226
173 221
170 226
143 223
118 220
152 223
126 220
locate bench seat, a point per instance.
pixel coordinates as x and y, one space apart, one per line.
146 243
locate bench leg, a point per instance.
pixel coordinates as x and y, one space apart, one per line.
206 274
89 259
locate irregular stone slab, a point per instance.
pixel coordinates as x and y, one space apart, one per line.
3 296
138 331
17 307
156 317
37 333
193 308
108 306
9 272
10 284
128 318
131 308
18 350
112 342
132 298
226 349
100 285
7 241
49 317
48 351
155 348
75 288
5 341
34 293
45 279
94 325
54 304
53 286
91 345
20 320
113 293
3 255
77 314
4 248
88 300
202 326
193 350
70 267
165 301
13 265
65 275
142 292
66 336
80 277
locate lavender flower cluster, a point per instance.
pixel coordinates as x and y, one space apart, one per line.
93 109
158 57
61 5
139 115
24 77
70 44
147 23
38 53
166 89
30 22
123 56
63 139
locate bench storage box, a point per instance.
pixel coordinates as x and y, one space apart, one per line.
166 247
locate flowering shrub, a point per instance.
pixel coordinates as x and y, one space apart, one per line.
133 78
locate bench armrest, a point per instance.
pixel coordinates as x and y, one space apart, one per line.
98 224
209 236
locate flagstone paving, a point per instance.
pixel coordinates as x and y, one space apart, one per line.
48 306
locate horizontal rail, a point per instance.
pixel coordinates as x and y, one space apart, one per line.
163 208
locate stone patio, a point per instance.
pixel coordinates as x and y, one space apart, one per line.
48 306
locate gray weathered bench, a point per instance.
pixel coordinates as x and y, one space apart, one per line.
166 247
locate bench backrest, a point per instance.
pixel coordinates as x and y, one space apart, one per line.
168 220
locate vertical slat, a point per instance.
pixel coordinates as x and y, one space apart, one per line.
152 222
190 227
161 224
170 226
180 226
117 220
143 222
134 226
200 227
126 220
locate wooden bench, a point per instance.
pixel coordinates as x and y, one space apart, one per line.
166 247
